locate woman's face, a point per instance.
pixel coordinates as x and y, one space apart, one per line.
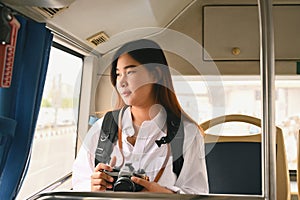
134 82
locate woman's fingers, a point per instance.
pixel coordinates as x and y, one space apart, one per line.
142 182
98 188
150 186
101 167
101 175
100 181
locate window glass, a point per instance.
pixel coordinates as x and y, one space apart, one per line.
242 95
53 149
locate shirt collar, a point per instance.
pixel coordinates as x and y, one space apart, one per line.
127 126
160 119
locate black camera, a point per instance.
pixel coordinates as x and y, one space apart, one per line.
122 181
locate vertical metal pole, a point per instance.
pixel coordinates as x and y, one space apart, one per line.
268 89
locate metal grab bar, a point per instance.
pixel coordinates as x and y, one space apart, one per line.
268 88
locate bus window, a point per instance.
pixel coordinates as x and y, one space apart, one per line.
242 95
53 149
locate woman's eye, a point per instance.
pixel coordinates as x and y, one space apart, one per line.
130 72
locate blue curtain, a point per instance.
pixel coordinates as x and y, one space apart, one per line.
20 103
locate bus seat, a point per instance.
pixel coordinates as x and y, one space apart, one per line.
234 162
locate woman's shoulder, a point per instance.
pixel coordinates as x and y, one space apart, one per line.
189 124
93 134
96 125
193 138
191 129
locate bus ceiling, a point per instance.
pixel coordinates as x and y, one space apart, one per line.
95 25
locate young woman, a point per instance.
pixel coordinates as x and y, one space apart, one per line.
141 77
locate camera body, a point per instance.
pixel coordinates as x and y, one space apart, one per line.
122 178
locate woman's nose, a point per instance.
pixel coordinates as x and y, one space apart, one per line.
122 81
123 84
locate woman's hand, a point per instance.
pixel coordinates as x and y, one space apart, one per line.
100 181
150 186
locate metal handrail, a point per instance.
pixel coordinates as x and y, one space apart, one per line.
52 186
268 87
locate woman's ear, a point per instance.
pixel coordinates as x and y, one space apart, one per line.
157 74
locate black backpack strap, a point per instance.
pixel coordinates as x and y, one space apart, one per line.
108 135
176 138
177 146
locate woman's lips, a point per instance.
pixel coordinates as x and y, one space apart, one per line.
125 93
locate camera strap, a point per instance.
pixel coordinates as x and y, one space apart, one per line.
162 169
120 137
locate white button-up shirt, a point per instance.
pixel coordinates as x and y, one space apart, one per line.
146 154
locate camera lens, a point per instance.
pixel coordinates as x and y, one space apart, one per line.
124 184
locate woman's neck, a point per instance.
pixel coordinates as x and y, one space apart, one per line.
141 114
